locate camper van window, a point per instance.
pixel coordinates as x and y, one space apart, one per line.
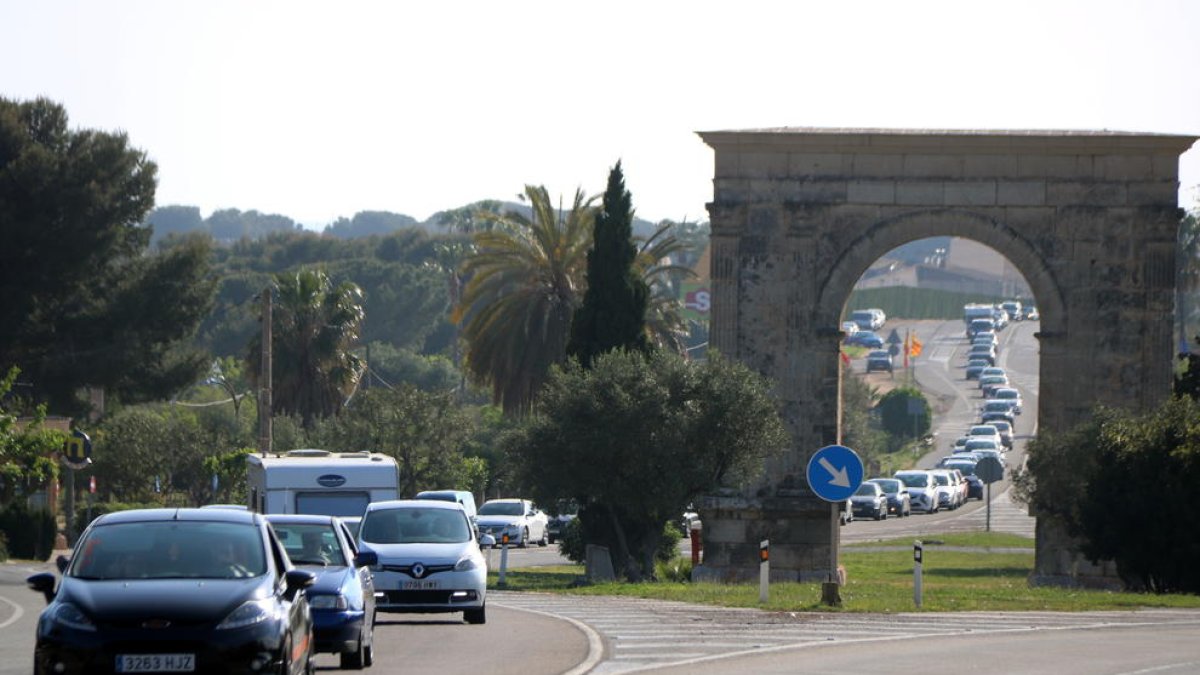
332 503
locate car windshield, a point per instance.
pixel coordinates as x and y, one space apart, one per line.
1007 393
866 490
415 525
981 444
914 479
888 486
941 478
967 468
502 509
995 406
310 543
170 550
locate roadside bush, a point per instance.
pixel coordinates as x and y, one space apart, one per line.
573 545
29 533
678 570
905 413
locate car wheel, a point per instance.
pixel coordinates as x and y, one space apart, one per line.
356 659
881 514
476 616
524 538
545 540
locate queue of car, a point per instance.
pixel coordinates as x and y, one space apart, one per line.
222 588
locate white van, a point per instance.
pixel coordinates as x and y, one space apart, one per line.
320 482
461 496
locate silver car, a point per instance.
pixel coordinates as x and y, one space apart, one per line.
426 558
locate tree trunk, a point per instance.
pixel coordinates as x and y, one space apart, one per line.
627 564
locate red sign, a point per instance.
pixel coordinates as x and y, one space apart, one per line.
92 485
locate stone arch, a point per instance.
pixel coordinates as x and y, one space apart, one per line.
1089 218
889 233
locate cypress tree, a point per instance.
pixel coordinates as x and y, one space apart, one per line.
613 313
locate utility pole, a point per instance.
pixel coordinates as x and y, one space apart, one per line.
264 394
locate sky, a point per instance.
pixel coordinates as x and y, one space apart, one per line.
316 110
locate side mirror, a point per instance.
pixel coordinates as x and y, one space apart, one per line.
296 581
61 563
487 540
42 583
366 558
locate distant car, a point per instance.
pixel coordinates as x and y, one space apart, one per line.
879 359
868 319
1013 307
1031 314
977 444
869 500
175 590
960 444
990 383
987 431
977 326
865 338
343 596
982 352
967 469
849 328
519 519
921 489
686 521
997 409
975 367
899 502
1009 394
987 339
425 558
947 489
992 370
1005 431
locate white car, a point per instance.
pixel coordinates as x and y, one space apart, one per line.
921 488
1011 395
523 522
987 431
947 489
426 558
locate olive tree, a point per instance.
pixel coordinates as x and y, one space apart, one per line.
635 438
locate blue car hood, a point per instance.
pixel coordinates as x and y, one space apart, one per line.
330 578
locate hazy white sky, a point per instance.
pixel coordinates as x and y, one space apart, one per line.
316 110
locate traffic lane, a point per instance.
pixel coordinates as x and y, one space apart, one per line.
19 611
512 642
1096 650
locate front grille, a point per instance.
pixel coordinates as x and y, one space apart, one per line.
408 569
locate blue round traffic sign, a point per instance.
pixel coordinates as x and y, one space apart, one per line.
834 473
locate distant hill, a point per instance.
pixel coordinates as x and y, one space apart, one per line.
231 225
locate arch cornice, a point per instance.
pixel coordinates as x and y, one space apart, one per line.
886 234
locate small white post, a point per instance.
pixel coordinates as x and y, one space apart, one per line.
764 569
918 553
503 560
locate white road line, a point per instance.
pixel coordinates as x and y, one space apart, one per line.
18 612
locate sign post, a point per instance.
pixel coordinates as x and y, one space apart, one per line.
834 473
764 570
918 554
76 454
500 581
989 471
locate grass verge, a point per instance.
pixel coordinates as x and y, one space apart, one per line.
880 581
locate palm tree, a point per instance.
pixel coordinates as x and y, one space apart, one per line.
665 325
525 280
313 327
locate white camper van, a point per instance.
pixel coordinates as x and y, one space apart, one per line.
320 482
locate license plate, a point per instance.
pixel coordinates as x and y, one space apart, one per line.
424 585
156 663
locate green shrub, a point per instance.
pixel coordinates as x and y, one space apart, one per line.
30 533
897 418
677 570
3 548
571 545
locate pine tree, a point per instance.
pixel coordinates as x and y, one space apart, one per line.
613 312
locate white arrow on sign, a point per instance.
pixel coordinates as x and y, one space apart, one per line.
840 478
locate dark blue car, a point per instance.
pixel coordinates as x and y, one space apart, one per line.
175 590
865 338
343 596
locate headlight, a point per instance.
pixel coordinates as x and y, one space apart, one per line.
70 616
327 601
250 613
467 563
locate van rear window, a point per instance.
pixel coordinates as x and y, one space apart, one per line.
332 503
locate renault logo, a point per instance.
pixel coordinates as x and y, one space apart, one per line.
156 623
418 570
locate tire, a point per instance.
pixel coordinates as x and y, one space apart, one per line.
285 665
356 659
545 540
476 616
524 539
